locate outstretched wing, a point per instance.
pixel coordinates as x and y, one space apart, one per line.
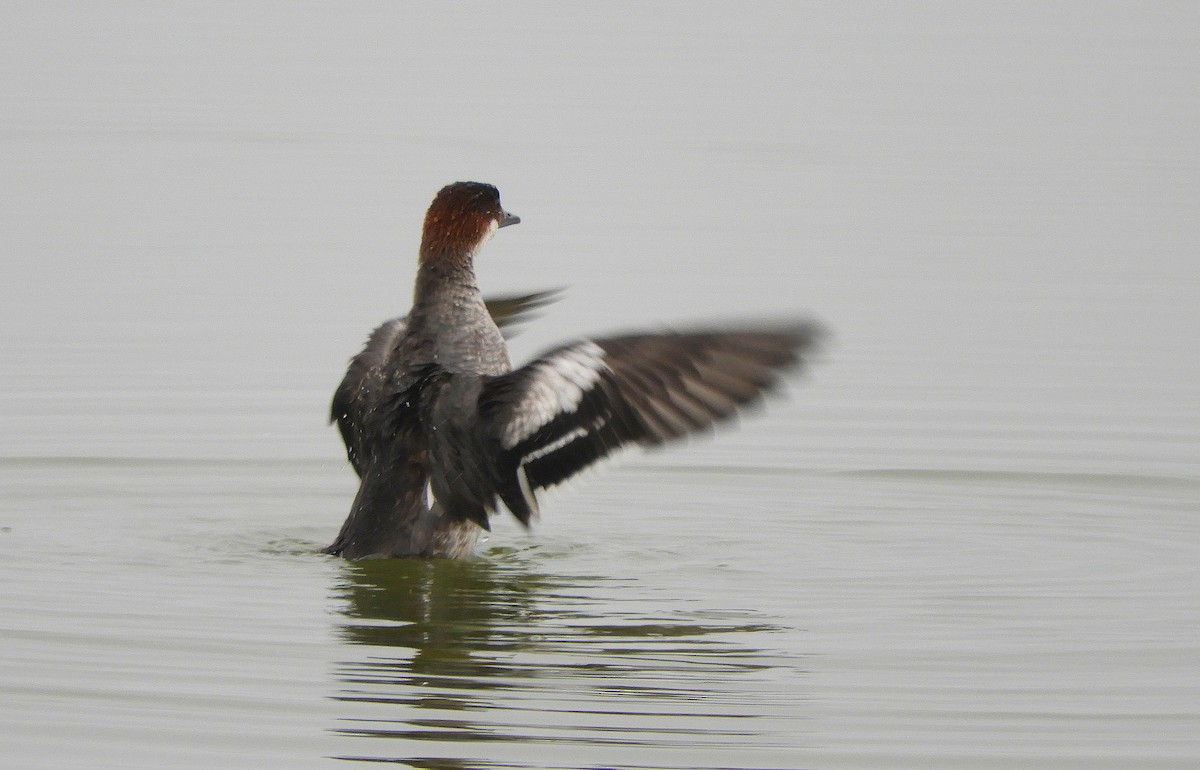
362 387
509 311
580 402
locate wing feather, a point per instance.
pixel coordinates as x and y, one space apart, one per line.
363 388
580 402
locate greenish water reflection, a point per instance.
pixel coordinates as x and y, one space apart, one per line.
502 653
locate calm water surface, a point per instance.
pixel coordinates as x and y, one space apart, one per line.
968 537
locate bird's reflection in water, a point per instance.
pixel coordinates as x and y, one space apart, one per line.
499 655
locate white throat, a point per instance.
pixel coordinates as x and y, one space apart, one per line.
488 234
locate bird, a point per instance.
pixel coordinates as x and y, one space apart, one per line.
442 430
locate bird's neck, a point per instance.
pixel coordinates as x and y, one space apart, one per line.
450 315
446 294
444 278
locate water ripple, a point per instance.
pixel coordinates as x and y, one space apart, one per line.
500 652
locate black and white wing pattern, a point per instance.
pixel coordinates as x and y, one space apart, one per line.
580 402
363 387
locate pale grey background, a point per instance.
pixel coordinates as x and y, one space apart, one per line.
969 536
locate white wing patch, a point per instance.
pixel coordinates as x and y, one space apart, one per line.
557 386
554 446
527 491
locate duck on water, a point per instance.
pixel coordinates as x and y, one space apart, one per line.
440 428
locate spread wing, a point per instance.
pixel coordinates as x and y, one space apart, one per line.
510 311
362 387
580 402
